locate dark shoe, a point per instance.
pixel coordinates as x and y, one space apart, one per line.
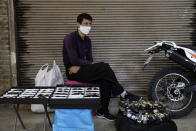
131 97
106 116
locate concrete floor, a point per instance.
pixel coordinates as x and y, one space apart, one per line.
34 122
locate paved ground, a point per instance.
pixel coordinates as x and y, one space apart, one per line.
34 122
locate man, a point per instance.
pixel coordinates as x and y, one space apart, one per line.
78 60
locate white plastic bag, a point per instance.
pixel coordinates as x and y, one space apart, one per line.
40 79
47 78
54 76
37 108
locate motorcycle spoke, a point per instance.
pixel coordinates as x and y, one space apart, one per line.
185 100
173 78
161 97
182 103
173 105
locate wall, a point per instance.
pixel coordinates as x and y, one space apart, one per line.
4 47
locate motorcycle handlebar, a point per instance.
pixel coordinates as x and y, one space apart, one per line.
161 45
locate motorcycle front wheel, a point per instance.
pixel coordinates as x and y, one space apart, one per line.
167 87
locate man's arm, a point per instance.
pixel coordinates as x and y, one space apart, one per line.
72 54
89 54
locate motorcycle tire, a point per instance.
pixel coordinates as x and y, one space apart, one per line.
169 95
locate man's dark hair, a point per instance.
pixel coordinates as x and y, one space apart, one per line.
83 16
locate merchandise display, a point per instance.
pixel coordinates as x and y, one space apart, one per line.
79 97
145 112
78 92
66 96
60 97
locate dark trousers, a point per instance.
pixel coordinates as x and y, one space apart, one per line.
101 74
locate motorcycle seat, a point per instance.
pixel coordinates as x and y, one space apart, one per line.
190 47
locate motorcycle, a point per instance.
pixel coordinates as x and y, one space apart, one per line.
174 86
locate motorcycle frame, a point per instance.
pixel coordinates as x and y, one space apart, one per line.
187 61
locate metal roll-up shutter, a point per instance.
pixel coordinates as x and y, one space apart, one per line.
121 30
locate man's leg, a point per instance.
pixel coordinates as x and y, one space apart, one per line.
105 90
98 72
102 74
107 80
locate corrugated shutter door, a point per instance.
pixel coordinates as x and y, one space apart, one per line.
121 30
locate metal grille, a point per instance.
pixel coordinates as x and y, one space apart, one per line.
121 30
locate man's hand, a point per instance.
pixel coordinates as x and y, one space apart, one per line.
73 69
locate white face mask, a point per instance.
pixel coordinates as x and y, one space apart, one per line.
85 29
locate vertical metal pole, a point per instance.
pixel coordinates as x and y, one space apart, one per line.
18 116
47 115
12 41
15 122
45 121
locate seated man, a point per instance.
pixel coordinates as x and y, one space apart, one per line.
77 56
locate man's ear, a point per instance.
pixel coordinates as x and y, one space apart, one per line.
78 24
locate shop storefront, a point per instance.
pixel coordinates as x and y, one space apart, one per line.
121 30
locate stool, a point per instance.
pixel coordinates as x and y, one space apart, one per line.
69 82
73 119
